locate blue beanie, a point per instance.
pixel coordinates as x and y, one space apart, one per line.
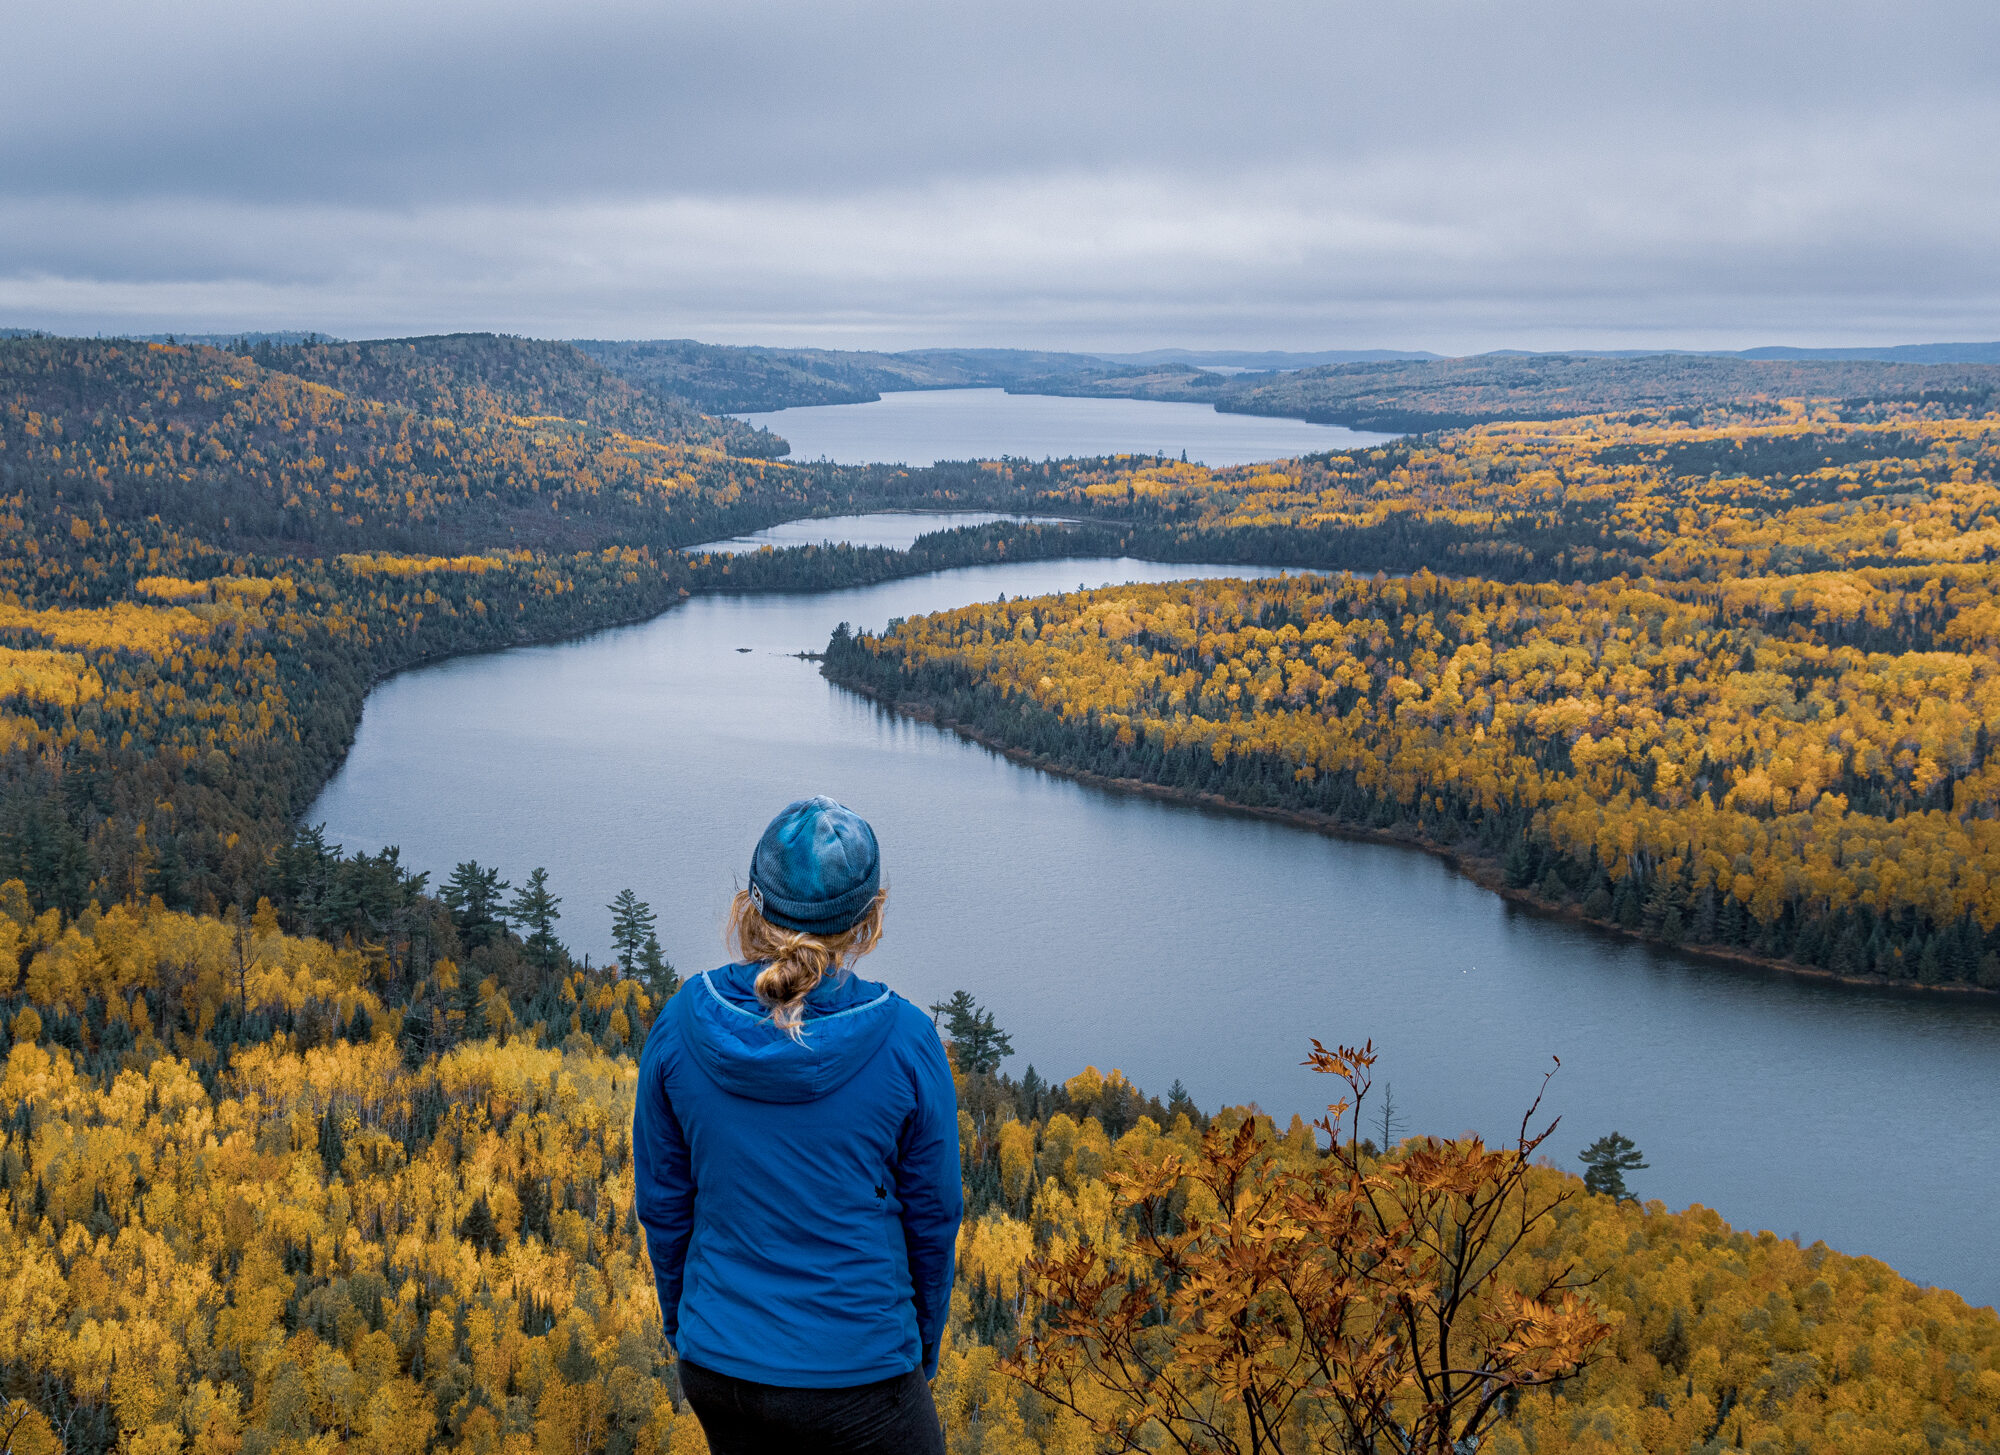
816 869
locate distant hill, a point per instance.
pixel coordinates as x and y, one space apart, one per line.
1446 393
1879 353
1898 353
466 442
1265 359
241 342
455 376
458 376
1415 395
724 379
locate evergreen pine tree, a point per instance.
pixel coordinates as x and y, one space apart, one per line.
575 1364
655 972
472 894
479 1229
631 926
977 1044
1606 1161
1033 1088
534 909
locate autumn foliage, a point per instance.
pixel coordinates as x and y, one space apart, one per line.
1718 1339
1353 1303
298 1233
1727 750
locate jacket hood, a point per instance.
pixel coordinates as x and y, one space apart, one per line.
730 1034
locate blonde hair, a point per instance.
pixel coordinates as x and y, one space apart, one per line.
795 962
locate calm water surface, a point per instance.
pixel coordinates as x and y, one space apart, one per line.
893 528
921 427
1173 942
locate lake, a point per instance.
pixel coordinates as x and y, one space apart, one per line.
892 528
1169 941
921 427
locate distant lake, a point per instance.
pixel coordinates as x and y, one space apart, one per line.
896 529
922 427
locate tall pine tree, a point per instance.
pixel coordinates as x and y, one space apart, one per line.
631 926
534 909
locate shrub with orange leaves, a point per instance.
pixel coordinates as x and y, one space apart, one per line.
1340 1301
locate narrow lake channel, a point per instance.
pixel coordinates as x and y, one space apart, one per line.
1169 941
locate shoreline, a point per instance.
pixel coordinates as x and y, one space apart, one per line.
1480 869
387 673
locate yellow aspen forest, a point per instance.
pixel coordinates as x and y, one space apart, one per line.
1746 489
317 1243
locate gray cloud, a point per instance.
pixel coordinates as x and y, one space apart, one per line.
1438 173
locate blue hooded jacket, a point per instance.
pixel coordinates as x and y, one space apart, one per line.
801 1201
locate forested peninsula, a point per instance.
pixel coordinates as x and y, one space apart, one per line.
300 1151
1754 715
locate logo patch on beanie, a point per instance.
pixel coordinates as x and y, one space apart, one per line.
757 898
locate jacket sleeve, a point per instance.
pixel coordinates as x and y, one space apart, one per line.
663 1185
932 1196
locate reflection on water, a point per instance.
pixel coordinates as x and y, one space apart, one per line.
1172 942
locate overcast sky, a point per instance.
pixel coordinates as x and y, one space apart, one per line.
1436 174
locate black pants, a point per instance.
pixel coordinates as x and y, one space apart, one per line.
891 1416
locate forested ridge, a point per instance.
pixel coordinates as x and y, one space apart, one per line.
468 376
1403 395
301 1151
720 377
456 450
